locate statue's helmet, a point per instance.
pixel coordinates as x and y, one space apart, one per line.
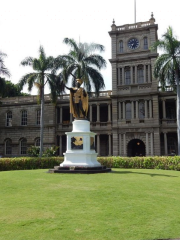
79 81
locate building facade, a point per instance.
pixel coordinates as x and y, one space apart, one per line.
135 118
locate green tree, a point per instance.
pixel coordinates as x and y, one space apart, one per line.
11 90
43 74
3 71
82 62
167 68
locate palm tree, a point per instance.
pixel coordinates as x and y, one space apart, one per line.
43 74
3 71
167 68
81 62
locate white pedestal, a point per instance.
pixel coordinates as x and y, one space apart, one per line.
79 146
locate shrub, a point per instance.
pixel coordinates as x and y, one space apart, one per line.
24 163
49 152
21 163
33 151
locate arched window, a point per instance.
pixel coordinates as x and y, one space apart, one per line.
38 116
24 118
127 76
140 74
141 110
23 146
128 110
37 142
9 119
145 43
121 46
8 147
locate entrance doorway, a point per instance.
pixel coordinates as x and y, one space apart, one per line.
136 147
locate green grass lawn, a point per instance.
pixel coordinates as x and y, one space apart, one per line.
130 204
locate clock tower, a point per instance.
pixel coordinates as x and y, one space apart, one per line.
135 110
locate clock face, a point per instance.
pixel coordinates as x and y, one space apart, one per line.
133 43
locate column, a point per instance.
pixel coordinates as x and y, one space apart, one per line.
146 109
61 115
122 75
90 113
147 144
164 108
70 118
131 75
149 73
165 144
137 110
135 74
119 103
145 73
150 108
60 145
120 150
152 151
98 144
124 144
124 112
98 106
109 144
132 110
109 112
119 76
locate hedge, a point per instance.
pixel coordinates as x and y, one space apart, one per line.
23 163
167 163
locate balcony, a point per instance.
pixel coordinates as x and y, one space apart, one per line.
168 122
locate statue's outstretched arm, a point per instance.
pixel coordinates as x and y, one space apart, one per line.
71 89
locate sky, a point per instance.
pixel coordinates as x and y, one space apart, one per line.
25 25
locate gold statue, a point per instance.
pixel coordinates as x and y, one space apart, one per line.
78 101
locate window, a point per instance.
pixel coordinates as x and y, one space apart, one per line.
38 116
145 43
121 46
9 119
8 147
127 76
128 110
24 118
140 74
141 110
23 146
37 142
172 145
170 110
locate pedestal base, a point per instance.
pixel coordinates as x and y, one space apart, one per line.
85 170
80 156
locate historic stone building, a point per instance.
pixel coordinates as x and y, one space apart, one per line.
135 118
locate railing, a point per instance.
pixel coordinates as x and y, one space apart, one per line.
168 121
47 97
23 99
92 95
133 26
166 89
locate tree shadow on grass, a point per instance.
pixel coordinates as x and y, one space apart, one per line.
149 174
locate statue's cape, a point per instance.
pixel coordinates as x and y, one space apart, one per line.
84 101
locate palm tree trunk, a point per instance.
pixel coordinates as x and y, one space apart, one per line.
178 113
42 122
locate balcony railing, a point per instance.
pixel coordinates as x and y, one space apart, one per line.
168 121
133 26
166 89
